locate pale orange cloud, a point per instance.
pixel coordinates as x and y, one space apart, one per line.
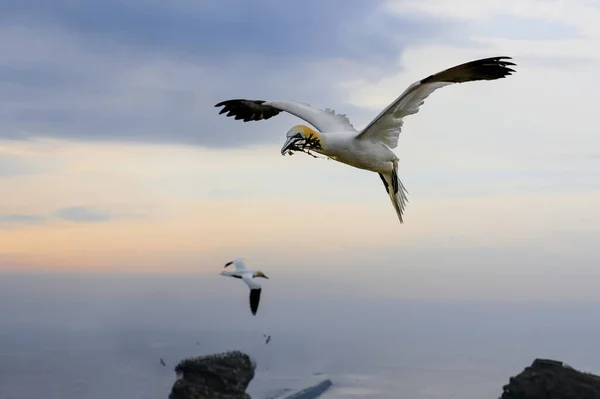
176 226
278 229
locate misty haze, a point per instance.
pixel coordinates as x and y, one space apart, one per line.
103 336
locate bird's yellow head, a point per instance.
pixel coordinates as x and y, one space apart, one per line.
301 138
260 274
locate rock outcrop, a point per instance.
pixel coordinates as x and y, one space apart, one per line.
552 379
227 376
220 376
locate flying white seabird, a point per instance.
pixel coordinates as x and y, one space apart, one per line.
371 148
247 276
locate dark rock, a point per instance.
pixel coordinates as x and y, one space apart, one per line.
552 379
220 376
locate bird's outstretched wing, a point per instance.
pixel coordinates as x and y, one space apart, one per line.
255 290
239 264
254 300
256 110
386 126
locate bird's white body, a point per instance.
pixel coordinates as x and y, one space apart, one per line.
249 277
371 148
367 155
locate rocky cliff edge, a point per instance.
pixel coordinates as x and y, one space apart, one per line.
219 376
552 379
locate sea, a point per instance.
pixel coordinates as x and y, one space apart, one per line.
96 337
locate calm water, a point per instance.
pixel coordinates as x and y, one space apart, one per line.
60 342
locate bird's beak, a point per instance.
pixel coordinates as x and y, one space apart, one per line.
287 144
265 276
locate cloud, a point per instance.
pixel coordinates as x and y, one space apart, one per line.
528 28
318 236
13 165
77 214
322 214
81 214
211 32
522 123
486 10
16 219
153 71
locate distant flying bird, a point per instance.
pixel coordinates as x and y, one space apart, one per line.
371 148
162 362
248 276
268 339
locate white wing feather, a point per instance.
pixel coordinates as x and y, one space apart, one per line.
238 263
324 120
387 126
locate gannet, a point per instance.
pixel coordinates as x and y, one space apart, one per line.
248 277
371 148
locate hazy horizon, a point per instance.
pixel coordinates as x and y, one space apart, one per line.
62 330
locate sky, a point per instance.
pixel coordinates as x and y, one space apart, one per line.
114 159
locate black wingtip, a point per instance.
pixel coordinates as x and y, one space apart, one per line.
254 300
490 68
247 110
